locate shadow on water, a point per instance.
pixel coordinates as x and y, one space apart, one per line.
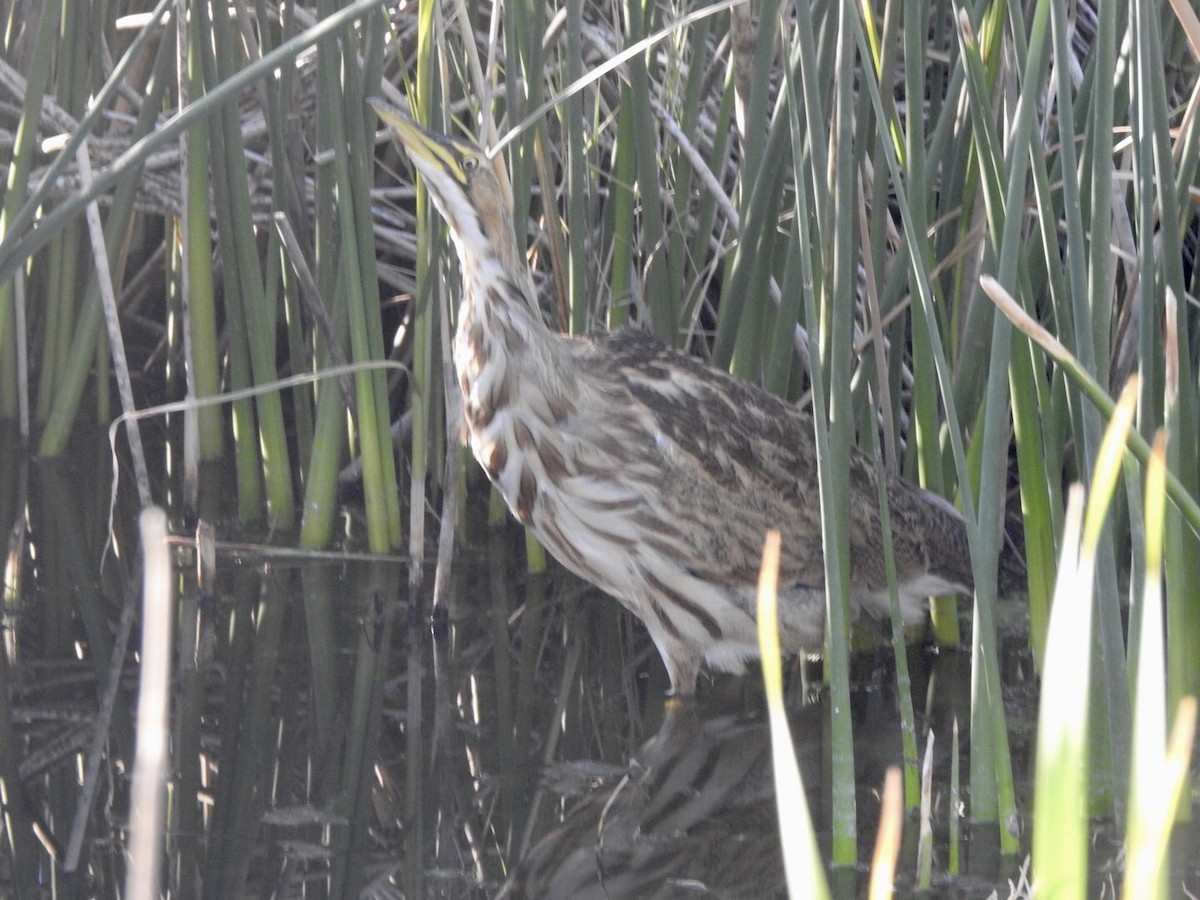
331 738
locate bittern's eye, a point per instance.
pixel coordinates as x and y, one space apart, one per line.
470 164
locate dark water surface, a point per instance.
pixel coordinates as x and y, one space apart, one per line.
333 735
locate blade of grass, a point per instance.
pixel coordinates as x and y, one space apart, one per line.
1061 787
801 857
1147 786
1147 855
887 843
1059 833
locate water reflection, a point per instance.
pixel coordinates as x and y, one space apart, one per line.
692 813
332 737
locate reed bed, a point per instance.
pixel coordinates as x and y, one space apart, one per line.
954 233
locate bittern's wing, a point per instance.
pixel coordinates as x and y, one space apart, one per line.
741 461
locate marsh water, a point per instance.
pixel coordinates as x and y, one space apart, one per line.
334 733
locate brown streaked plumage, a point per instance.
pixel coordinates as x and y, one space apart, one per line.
646 472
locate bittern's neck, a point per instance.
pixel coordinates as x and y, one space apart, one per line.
496 264
508 367
499 334
496 297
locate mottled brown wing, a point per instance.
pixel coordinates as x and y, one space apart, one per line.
743 460
739 461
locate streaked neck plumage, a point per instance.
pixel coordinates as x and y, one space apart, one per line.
512 387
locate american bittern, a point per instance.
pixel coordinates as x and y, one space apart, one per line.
646 472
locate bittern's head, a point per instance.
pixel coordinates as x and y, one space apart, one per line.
463 184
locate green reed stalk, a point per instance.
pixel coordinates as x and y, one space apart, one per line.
63 259
839 249
1181 410
737 343
246 287
779 348
660 297
832 233
428 301
16 189
522 86
202 348
988 795
691 102
303 412
1005 205
184 821
1165 348
1085 326
1187 505
705 215
62 295
1027 385
247 461
293 221
580 277
329 439
929 468
624 232
342 106
1182 543
324 461
908 725
745 306
882 278
746 311
89 318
